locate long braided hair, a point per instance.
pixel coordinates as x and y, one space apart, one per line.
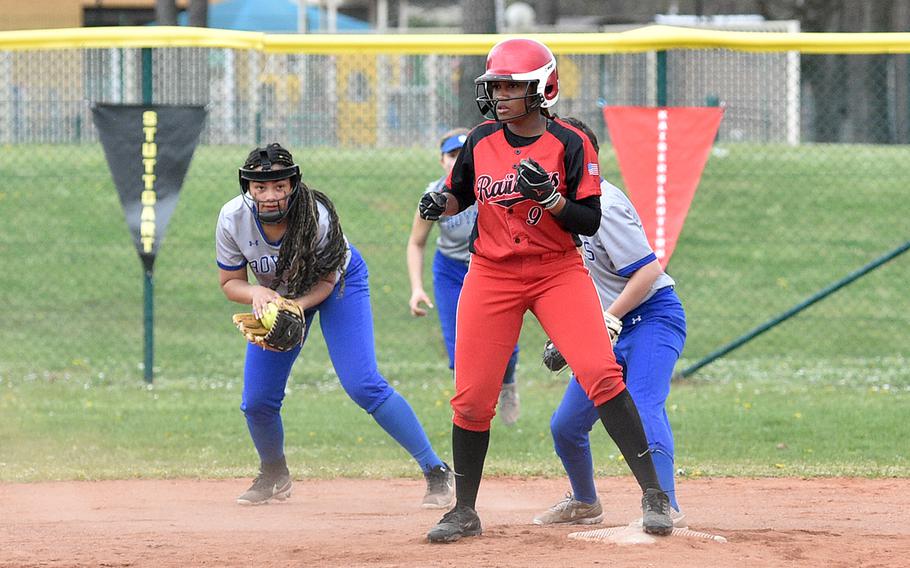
299 265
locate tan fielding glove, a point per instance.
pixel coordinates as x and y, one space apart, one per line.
285 333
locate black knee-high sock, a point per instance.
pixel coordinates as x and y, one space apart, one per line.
620 417
469 450
279 467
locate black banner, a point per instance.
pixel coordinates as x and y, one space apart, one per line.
148 150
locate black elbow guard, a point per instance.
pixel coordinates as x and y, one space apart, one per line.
581 217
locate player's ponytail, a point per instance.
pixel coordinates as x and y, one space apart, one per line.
299 265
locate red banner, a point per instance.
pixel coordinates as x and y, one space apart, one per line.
661 154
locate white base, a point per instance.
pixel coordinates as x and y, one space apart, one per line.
631 534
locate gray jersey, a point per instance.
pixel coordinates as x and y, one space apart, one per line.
240 242
455 230
619 247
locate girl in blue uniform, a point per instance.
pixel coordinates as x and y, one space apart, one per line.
450 265
637 293
289 237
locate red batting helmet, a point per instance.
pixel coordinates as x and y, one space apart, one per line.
522 61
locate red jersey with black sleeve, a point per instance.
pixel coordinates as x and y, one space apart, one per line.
507 223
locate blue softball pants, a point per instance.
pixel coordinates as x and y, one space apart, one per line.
448 279
648 348
347 325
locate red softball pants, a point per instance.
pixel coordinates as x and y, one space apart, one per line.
558 290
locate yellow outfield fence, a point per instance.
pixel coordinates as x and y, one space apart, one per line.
647 38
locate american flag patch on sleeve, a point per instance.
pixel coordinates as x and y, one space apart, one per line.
593 169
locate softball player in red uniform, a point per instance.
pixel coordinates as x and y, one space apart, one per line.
536 182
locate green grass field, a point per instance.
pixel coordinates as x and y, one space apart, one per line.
823 394
774 419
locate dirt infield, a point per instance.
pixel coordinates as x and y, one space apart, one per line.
833 523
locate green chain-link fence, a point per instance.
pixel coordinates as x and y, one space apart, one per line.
806 183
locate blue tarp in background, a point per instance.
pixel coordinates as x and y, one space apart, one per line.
272 16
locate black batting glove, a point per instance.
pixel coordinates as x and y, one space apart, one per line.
432 205
534 183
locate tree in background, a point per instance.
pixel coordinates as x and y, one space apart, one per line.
547 12
166 12
199 13
479 17
850 94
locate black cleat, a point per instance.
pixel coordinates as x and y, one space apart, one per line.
655 509
460 521
267 487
